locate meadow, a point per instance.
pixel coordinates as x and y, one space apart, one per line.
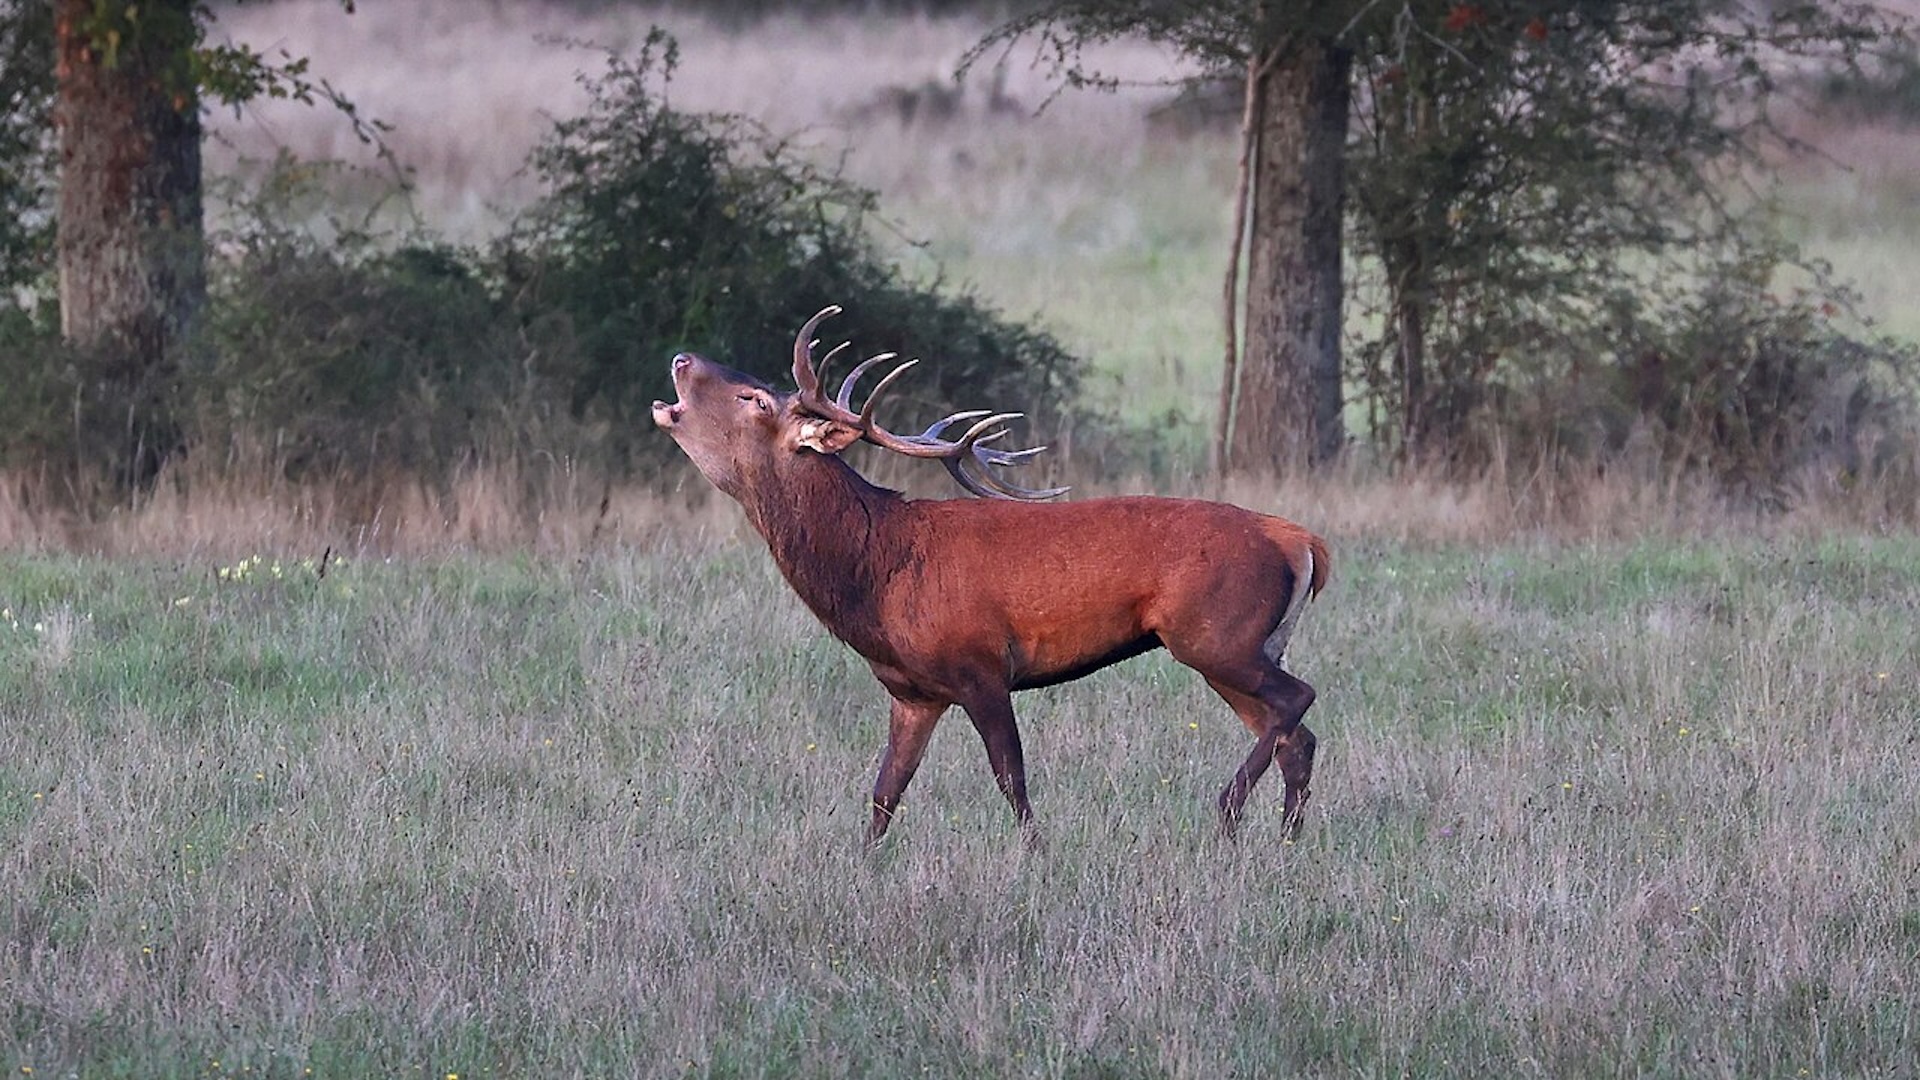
1623 810
1615 779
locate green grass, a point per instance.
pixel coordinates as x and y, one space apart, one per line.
1581 812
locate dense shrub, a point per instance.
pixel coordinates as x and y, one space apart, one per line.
81 420
660 231
1727 378
31 370
664 231
348 352
1762 391
327 349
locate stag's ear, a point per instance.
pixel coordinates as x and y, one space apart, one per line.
825 436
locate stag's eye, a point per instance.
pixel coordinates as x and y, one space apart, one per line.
759 401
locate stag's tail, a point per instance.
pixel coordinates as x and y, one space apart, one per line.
1321 561
1311 563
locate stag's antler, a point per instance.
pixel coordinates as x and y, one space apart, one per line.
954 453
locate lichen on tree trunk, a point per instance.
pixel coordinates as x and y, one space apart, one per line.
1287 409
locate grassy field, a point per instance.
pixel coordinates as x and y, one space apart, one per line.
1583 811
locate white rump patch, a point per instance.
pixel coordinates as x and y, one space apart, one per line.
1276 646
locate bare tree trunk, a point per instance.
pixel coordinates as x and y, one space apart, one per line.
1287 412
130 249
1409 305
1257 69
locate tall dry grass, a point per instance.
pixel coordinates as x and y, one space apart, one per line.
553 511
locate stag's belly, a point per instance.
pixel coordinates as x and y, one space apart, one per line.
1050 643
1052 663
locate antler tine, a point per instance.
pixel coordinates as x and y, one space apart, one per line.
975 432
1015 491
966 480
988 485
931 436
803 373
934 429
845 399
986 457
986 426
820 367
866 411
1009 457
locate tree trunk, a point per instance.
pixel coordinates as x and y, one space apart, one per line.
1287 411
130 249
1406 274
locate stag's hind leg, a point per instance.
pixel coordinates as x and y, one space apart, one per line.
1235 634
1272 711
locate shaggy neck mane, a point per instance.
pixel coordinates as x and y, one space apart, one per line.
836 538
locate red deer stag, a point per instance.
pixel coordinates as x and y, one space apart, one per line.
962 602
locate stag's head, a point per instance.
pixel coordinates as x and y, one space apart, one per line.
739 431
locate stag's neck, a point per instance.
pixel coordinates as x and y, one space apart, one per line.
837 539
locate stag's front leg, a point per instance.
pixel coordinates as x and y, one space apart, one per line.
991 711
909 727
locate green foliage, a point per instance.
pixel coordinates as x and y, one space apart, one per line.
1534 185
343 350
663 231
26 157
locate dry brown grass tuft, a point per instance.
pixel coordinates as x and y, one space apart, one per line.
552 510
484 509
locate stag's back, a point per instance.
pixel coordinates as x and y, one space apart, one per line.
1067 588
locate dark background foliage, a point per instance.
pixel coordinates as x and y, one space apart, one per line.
26 180
328 347
664 231
1555 322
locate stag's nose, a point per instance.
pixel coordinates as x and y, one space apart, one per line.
681 360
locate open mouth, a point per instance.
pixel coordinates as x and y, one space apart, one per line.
666 415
